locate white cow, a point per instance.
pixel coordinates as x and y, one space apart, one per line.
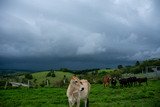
78 90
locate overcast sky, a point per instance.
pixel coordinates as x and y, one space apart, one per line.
78 34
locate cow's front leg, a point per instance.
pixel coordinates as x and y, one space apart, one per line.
70 104
85 102
78 102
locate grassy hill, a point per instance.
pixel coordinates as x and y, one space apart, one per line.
41 76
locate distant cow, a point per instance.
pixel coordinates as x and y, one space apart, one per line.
106 80
123 82
113 82
77 90
131 81
134 80
141 80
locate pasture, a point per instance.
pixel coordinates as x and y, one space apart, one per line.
41 76
138 96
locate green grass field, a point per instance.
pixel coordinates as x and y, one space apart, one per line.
138 96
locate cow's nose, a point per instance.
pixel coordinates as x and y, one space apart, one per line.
82 89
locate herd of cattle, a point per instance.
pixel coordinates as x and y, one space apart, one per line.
123 82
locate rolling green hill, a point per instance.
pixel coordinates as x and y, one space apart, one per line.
40 77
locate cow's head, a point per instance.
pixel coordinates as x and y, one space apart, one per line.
76 83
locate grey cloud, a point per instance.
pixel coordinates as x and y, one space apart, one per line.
76 32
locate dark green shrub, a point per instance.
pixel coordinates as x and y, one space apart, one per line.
116 73
135 70
28 76
53 75
42 84
49 74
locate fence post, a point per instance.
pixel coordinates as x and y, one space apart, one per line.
28 84
146 69
5 87
47 83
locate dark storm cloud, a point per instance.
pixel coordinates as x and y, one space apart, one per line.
78 33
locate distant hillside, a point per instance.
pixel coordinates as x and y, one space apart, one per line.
13 72
5 71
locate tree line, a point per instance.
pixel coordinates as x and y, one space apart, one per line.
138 67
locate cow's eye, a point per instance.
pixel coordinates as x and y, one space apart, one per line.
76 81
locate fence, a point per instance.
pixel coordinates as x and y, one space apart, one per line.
148 75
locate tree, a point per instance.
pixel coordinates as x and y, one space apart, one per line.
65 70
42 84
116 73
136 70
137 63
28 76
49 74
53 75
120 66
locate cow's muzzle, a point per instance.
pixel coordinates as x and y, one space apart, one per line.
82 89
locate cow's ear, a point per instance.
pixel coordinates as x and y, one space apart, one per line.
73 77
